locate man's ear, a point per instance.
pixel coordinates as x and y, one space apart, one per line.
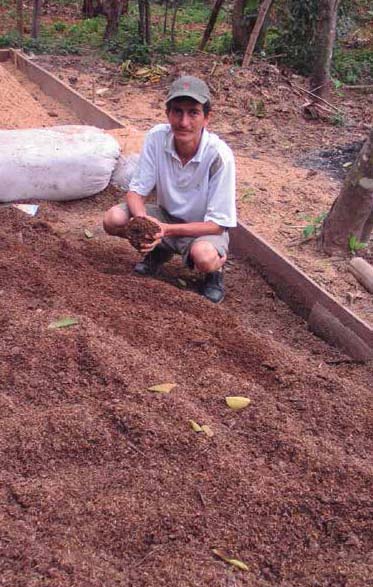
207 119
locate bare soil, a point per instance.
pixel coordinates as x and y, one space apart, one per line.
104 482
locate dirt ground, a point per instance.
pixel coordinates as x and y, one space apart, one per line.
104 482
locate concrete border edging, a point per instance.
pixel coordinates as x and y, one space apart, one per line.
326 317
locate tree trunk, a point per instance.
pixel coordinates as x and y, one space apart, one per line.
147 22
352 211
36 19
20 18
112 10
211 23
263 11
92 8
241 25
325 38
173 23
165 18
141 4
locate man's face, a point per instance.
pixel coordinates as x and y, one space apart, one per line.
187 120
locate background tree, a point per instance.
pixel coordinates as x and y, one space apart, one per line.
324 45
35 26
244 15
211 23
352 212
112 10
20 18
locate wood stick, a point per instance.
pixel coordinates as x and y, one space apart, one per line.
316 96
263 11
363 272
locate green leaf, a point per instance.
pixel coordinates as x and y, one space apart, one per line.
308 230
64 323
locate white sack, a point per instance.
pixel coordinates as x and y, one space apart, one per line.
59 163
124 170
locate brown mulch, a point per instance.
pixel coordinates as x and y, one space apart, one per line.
103 482
140 231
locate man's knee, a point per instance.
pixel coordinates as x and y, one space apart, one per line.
205 257
115 220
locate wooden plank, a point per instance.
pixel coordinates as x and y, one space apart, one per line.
52 86
298 290
4 55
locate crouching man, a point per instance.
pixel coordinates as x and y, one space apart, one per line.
193 174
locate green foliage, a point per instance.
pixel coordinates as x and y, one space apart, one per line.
193 12
314 225
353 65
10 40
355 245
222 44
337 119
59 26
294 34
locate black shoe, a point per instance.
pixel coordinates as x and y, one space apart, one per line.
152 261
213 288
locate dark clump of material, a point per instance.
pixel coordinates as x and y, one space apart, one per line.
140 231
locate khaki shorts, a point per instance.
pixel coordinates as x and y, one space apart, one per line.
181 245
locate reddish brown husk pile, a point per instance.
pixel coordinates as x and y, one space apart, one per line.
140 231
104 483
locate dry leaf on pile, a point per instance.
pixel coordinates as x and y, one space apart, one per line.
162 387
231 561
237 402
64 323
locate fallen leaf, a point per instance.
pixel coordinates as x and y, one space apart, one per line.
207 430
102 91
163 387
64 323
182 282
232 561
88 233
196 427
237 402
239 564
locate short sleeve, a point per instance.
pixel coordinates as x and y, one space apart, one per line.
221 204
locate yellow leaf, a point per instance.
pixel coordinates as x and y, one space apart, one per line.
231 561
88 233
207 430
163 387
144 71
237 402
196 427
238 564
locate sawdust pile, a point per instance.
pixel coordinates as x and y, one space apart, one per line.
17 107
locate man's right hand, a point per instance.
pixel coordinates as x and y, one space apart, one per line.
148 247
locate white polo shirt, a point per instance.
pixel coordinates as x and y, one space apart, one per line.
201 190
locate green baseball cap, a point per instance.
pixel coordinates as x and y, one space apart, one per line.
189 86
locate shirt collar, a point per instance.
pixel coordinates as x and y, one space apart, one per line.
170 146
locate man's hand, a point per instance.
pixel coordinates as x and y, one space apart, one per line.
148 247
